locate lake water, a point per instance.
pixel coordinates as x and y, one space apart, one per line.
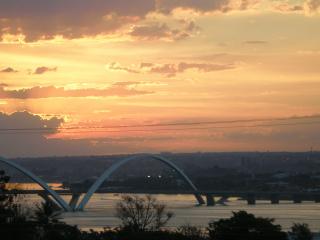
100 212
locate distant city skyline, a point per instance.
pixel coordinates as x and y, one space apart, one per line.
85 68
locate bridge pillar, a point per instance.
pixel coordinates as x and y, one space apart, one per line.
223 200
297 198
274 199
74 200
251 199
210 200
317 198
199 198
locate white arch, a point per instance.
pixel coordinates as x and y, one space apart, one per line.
105 176
45 186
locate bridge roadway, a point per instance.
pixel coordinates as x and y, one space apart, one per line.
250 197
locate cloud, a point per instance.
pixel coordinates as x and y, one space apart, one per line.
117 67
312 6
121 89
309 7
32 143
45 19
161 31
255 42
8 70
71 19
287 7
42 70
23 120
167 6
21 143
171 69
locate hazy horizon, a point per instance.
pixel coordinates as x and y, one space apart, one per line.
83 77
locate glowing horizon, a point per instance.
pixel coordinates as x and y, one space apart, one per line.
99 63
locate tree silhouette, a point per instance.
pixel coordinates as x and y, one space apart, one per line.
301 231
245 226
140 214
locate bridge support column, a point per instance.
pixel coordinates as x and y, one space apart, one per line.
199 198
297 198
223 200
251 199
74 200
210 200
317 198
274 199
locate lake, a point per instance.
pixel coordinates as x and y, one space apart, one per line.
100 212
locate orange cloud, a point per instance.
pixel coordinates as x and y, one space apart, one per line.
171 69
42 70
161 31
8 70
119 89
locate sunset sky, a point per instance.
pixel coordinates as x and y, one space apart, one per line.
98 73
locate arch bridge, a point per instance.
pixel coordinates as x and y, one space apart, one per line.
62 203
72 206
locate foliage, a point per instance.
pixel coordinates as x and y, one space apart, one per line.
14 222
300 231
139 214
245 226
191 232
45 213
60 231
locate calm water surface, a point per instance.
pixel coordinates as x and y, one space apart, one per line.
100 212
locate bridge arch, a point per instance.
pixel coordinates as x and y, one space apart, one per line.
62 203
107 173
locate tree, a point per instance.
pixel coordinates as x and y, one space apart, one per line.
46 213
191 232
14 222
301 231
11 211
6 199
139 214
245 226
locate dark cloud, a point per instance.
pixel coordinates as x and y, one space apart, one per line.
46 19
167 6
42 70
118 89
171 69
8 70
24 120
32 143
